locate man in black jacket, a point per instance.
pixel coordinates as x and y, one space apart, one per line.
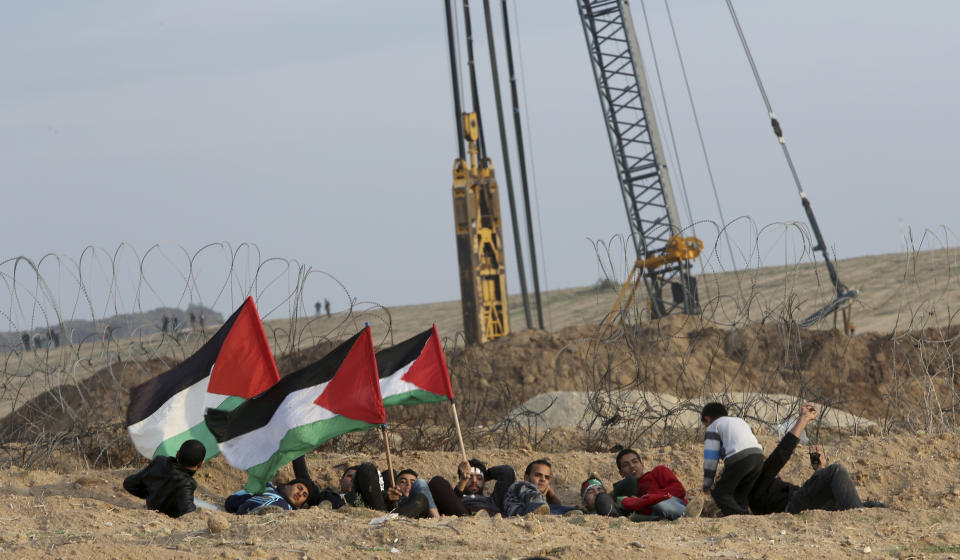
167 482
830 487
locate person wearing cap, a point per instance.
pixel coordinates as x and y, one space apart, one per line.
294 494
650 495
596 499
167 483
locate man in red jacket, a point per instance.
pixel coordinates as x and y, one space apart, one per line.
653 495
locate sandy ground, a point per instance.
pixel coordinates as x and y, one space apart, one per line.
88 515
68 511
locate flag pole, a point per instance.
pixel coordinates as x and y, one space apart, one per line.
456 422
386 442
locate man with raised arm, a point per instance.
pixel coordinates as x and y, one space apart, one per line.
830 486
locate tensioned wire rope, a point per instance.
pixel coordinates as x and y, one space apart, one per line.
843 294
669 121
766 99
533 167
696 120
703 144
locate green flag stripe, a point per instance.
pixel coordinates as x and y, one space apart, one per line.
418 396
171 445
295 443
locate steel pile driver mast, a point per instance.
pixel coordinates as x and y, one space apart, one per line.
663 255
476 209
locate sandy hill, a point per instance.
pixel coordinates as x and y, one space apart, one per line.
64 450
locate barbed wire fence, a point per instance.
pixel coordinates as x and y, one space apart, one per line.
80 332
644 381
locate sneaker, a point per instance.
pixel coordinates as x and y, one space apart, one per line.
873 504
544 509
694 508
325 504
573 513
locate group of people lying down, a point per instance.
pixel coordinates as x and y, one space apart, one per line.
748 483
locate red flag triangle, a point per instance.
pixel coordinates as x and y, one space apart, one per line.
244 366
354 391
429 371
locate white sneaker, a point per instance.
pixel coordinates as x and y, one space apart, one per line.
383 519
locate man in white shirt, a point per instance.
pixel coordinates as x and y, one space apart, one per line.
729 439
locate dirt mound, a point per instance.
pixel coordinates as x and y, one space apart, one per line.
86 514
585 410
896 381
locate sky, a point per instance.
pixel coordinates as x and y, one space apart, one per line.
323 132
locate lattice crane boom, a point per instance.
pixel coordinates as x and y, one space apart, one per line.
638 156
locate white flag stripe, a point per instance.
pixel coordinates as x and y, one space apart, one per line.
181 412
395 385
256 447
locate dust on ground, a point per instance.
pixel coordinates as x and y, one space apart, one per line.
86 514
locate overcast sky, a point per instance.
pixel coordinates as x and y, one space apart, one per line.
323 131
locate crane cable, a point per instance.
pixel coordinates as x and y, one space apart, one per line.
844 294
669 121
533 168
703 145
453 44
766 100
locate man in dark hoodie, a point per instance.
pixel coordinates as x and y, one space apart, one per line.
167 482
830 486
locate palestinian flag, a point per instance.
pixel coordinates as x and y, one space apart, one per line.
333 396
414 371
234 365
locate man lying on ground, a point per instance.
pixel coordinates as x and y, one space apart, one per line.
596 499
289 496
368 491
653 495
167 482
830 487
533 494
467 496
408 487
729 439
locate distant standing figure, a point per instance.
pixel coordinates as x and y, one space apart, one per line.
54 337
193 320
176 323
25 338
37 341
201 321
326 306
317 306
108 333
164 323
